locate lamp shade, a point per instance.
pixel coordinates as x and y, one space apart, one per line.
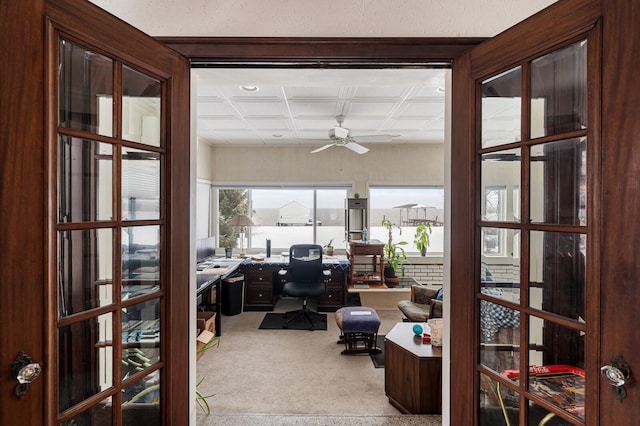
241 220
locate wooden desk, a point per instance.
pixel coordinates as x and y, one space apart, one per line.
413 372
263 286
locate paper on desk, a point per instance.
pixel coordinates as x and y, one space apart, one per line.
216 271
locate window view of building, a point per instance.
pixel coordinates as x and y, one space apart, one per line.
293 215
285 216
408 207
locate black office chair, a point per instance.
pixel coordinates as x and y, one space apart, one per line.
304 278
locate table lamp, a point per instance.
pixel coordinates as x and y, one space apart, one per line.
241 220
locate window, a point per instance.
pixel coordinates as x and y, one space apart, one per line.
495 209
408 207
286 216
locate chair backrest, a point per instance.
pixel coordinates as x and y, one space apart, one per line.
305 262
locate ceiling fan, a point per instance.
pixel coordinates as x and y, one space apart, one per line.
341 136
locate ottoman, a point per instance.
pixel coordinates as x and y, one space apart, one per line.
359 326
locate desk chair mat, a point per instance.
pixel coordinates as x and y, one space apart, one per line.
276 320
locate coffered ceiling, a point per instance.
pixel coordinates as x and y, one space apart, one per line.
299 106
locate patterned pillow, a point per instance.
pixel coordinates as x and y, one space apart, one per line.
439 294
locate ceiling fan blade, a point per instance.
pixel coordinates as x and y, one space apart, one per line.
373 138
356 148
322 148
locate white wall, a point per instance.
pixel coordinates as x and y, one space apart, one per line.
204 165
383 164
328 18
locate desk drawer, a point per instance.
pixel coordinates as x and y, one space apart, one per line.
333 300
260 275
367 250
259 297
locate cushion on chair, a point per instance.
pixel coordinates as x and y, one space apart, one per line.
416 312
423 304
357 323
421 294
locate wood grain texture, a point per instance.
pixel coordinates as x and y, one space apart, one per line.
413 372
620 204
22 204
319 51
463 242
27 193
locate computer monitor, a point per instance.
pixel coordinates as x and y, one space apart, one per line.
205 247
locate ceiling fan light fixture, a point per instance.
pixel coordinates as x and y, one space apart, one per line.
340 136
340 132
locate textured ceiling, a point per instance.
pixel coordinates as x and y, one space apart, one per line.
298 107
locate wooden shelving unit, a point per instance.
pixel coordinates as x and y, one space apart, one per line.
355 218
366 260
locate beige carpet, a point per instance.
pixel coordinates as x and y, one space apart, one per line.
293 372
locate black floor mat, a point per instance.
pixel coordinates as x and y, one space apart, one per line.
276 321
378 359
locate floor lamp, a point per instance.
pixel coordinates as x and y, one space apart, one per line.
241 220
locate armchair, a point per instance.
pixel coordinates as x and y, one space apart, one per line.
425 303
304 278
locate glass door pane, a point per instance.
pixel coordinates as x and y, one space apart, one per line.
559 91
540 301
140 107
86 90
109 231
502 108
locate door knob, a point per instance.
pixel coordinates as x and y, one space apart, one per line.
617 374
26 370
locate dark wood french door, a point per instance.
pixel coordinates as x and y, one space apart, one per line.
544 280
97 220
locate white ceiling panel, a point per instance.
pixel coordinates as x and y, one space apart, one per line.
221 123
308 108
263 107
215 107
380 92
280 124
299 106
319 123
374 108
416 108
310 91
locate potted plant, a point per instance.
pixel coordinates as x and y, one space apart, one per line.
421 237
394 254
228 241
328 248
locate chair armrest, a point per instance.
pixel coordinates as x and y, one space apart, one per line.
422 294
436 309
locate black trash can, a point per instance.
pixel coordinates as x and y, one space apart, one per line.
232 291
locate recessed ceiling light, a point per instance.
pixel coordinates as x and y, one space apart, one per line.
277 135
249 88
440 89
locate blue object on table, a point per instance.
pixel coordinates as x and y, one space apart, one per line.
417 329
